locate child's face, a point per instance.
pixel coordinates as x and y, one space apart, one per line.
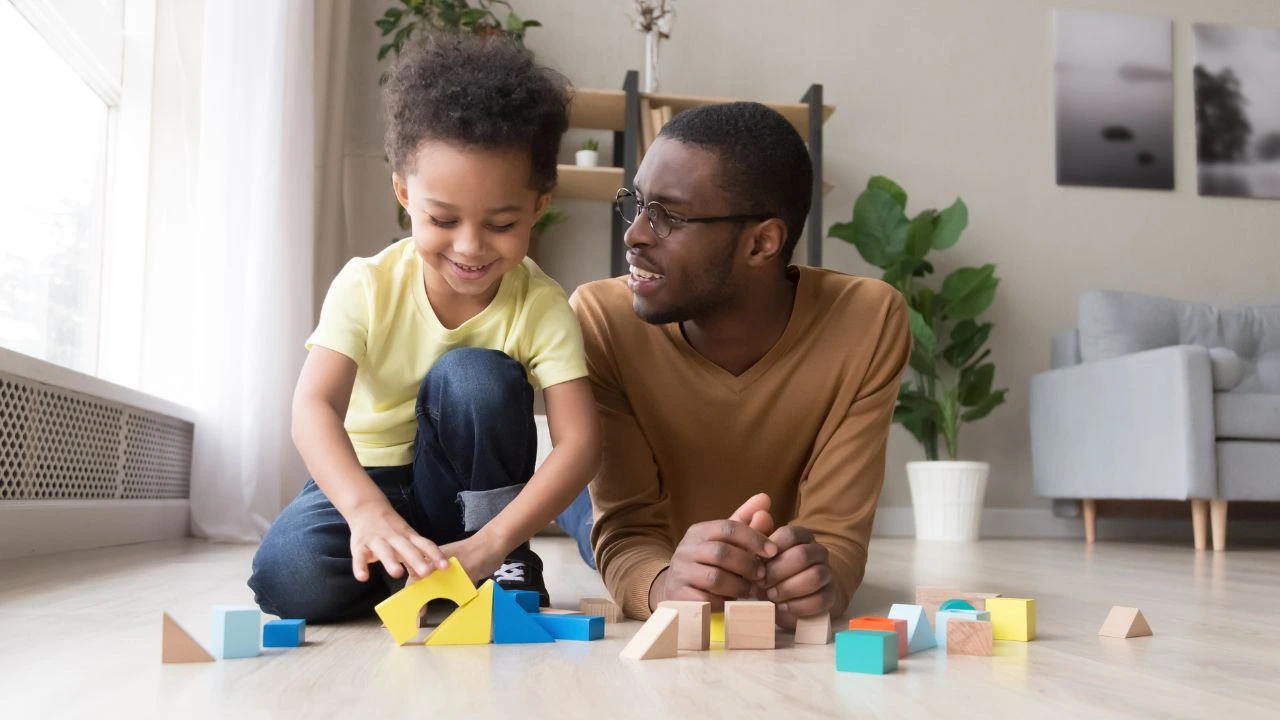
472 213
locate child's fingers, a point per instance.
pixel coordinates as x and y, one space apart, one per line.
432 551
410 555
360 564
386 556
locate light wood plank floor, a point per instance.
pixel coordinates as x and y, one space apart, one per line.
80 634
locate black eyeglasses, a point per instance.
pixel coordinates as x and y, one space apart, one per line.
661 220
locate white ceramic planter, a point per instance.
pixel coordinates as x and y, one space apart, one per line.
946 498
588 158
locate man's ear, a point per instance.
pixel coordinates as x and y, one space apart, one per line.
402 190
767 241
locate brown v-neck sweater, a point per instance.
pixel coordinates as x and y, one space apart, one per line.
686 441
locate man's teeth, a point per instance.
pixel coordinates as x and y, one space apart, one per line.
644 275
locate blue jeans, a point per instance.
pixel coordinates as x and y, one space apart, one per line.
576 520
474 450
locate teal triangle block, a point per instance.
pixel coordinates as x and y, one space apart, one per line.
919 631
512 624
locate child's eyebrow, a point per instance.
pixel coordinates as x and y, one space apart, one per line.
491 211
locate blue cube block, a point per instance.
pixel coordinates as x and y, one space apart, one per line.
284 633
236 632
572 627
874 652
527 599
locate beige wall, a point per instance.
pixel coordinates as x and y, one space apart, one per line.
949 97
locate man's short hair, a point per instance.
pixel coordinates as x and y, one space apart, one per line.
764 163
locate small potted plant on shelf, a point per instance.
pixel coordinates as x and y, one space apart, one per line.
949 381
589 155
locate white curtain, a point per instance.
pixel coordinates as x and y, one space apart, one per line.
249 260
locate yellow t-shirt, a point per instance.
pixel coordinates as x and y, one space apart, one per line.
377 314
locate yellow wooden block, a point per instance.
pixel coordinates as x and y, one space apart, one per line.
1012 618
717 627
400 611
471 624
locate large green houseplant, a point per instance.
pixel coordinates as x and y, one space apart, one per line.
950 381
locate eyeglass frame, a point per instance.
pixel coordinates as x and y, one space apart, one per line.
675 218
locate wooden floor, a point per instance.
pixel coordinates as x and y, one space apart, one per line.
80 634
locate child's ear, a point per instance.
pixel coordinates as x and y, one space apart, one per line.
540 206
402 190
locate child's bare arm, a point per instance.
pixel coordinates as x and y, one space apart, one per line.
378 533
575 433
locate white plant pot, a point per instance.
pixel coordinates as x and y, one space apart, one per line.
588 158
946 498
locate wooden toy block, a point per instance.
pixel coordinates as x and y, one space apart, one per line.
571 627
1013 618
867 651
868 622
559 611
695 623
512 624
969 637
931 597
236 632
1125 622
400 611
290 632
657 638
603 607
814 630
717 628
470 624
919 632
945 616
527 599
177 645
748 625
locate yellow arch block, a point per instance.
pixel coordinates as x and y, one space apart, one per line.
471 624
400 611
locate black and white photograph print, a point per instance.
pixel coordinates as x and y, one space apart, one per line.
1113 79
1237 85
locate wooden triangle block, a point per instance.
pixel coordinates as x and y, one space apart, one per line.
471 624
512 624
400 611
1125 622
177 646
657 638
919 631
814 630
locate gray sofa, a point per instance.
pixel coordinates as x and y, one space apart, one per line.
1158 399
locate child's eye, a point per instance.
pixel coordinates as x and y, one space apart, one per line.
502 228
442 223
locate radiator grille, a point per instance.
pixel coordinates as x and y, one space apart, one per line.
58 444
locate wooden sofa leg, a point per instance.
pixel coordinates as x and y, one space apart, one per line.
1090 508
1218 521
1200 522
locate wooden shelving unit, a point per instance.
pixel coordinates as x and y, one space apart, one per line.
620 111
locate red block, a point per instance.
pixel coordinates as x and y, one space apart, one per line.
883 623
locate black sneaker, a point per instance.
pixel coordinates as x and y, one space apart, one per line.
523 572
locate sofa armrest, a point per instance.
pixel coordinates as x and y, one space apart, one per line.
1138 426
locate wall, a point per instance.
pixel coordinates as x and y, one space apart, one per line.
948 97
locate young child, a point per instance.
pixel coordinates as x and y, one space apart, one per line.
426 351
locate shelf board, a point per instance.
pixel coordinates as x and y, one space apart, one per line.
598 109
588 183
795 113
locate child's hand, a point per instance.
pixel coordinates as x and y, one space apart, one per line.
379 534
475 555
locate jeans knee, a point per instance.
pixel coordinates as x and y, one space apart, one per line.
292 580
481 382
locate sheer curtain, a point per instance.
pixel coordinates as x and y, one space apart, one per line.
248 264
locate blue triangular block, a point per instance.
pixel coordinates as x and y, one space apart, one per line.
919 632
572 627
512 624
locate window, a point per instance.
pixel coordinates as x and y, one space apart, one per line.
69 134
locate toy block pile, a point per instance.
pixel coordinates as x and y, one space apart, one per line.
690 625
235 632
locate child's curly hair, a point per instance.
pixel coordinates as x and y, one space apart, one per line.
480 92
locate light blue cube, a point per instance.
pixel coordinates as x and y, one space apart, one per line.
290 632
236 632
940 632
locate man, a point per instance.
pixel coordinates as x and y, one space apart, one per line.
724 374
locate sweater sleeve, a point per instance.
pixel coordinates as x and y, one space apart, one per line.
837 498
632 532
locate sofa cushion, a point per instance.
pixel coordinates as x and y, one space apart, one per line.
1112 324
1246 416
1227 367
